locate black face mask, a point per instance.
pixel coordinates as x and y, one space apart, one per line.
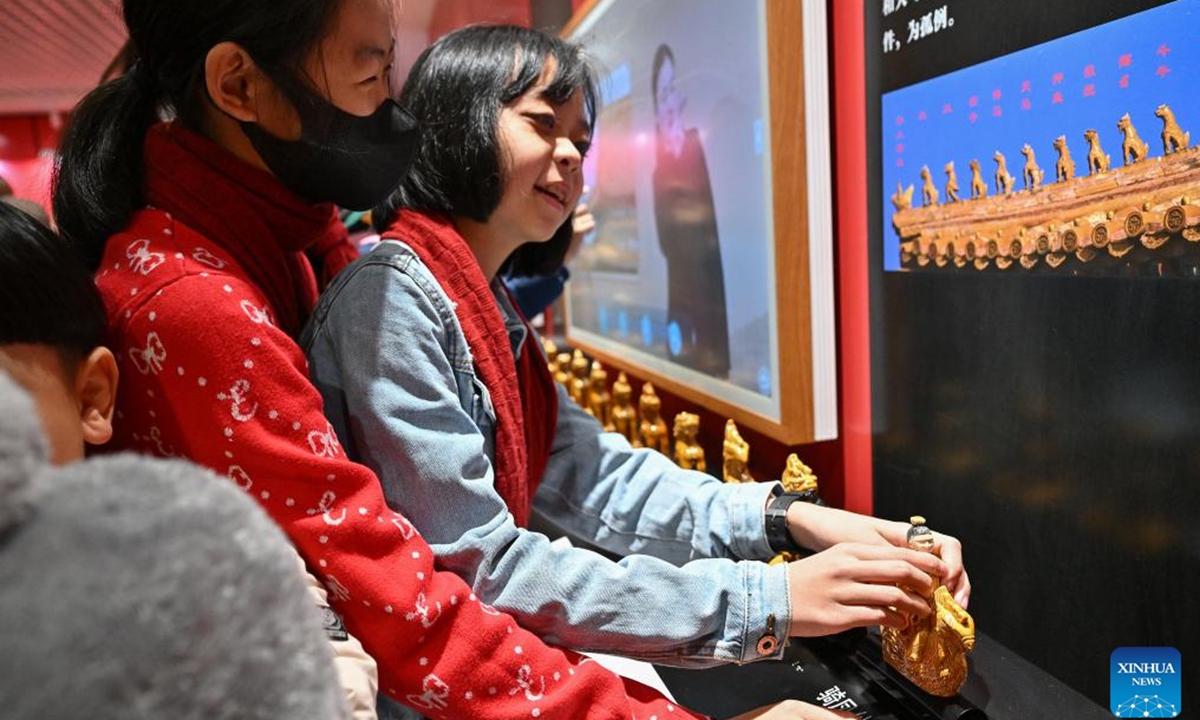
353 162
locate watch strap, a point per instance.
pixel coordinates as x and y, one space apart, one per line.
779 537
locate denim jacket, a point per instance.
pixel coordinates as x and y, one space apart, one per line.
389 357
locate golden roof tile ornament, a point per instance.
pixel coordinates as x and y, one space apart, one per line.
551 351
688 453
932 652
1133 147
562 368
577 384
735 455
1173 136
798 477
653 428
599 401
624 415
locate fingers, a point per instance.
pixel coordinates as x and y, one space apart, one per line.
885 597
950 550
962 592
892 572
857 586
583 224
927 563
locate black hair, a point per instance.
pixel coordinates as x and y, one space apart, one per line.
661 55
456 90
46 292
98 176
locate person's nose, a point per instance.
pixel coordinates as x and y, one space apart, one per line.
567 156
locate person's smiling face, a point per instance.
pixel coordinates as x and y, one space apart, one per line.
541 145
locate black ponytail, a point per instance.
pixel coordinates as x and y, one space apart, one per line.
99 174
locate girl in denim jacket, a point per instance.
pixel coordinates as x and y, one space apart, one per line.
433 379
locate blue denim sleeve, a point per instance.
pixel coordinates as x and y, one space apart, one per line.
628 500
382 355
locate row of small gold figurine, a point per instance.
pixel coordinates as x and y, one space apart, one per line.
586 382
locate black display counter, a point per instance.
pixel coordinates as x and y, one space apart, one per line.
847 672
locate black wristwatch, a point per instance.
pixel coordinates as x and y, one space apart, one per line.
778 536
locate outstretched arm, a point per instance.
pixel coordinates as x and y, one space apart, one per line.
405 405
819 528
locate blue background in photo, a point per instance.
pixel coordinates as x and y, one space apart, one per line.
941 137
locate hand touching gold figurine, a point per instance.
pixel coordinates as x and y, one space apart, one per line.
624 416
688 453
653 429
598 398
932 651
735 455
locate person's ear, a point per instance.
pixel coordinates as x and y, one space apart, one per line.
233 81
96 388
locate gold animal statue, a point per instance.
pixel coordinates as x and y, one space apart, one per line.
624 416
1064 169
1173 136
562 368
978 186
1032 174
735 456
951 183
903 198
551 351
653 429
599 400
1098 160
688 453
1004 179
932 651
929 194
577 385
1133 148
798 477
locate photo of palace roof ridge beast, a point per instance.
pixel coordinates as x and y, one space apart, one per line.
1146 201
1127 200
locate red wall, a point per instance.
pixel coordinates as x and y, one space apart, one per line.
27 145
850 184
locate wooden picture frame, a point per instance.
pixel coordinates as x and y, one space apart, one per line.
802 403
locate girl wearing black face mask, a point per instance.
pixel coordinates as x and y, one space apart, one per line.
199 229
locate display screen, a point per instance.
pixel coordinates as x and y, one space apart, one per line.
1042 403
1070 156
679 274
